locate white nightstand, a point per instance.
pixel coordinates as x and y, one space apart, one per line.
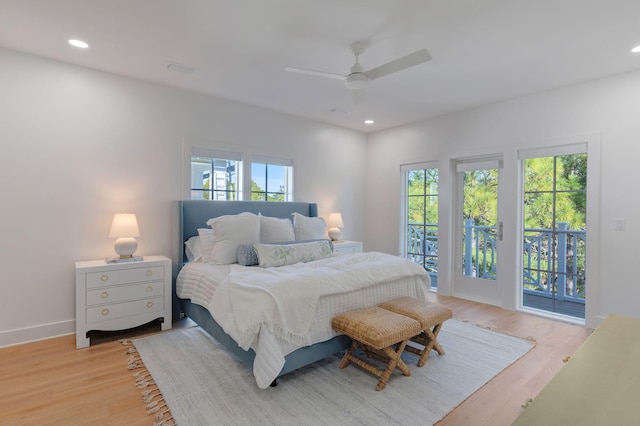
343 246
117 296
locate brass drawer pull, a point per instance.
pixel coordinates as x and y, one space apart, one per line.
104 294
105 311
149 289
104 277
149 272
149 304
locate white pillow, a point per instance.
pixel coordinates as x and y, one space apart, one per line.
231 231
206 243
308 228
270 255
274 230
193 249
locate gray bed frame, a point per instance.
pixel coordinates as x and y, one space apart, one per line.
193 214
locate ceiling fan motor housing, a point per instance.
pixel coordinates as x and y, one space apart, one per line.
356 81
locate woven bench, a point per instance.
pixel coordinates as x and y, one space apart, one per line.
380 333
431 316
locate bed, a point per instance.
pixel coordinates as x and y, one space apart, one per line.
279 352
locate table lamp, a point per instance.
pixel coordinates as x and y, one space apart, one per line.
125 228
334 222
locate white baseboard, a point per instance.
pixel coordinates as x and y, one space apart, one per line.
35 333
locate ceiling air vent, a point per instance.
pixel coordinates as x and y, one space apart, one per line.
172 66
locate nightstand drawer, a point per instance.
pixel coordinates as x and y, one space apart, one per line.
347 247
114 294
125 276
119 310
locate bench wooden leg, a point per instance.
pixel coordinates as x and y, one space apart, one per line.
428 339
347 358
388 355
393 363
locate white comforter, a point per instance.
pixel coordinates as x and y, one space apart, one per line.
277 310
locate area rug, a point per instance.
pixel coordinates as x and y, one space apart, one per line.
193 380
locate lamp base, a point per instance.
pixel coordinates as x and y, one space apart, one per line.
334 234
125 247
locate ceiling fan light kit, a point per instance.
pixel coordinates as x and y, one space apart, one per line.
356 80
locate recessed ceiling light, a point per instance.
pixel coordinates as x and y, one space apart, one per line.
636 49
369 121
78 43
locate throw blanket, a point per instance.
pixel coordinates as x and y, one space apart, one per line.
283 300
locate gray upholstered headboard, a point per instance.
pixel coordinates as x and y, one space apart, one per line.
194 214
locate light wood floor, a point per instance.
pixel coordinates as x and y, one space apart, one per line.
52 383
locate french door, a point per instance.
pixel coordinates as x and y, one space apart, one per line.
478 230
554 230
419 241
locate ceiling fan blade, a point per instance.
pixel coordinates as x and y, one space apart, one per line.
410 60
359 95
315 73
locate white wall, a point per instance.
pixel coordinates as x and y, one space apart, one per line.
607 107
77 146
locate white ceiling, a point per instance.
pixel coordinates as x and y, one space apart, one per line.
483 50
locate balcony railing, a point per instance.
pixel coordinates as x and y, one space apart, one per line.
545 250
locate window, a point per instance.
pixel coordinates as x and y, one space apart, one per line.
215 175
270 182
218 175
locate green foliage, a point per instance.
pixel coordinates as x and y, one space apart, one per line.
259 194
206 194
481 197
422 192
568 176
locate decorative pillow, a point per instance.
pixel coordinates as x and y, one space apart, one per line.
308 228
247 255
273 229
287 254
206 243
229 232
193 249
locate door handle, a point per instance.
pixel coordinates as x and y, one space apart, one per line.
500 231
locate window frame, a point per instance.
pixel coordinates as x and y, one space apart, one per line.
244 162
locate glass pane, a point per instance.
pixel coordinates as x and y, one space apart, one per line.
569 211
538 210
539 174
270 182
415 210
201 171
214 178
571 172
416 182
275 178
480 214
258 177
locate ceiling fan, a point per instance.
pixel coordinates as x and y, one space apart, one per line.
358 79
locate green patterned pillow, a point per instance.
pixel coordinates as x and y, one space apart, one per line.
287 254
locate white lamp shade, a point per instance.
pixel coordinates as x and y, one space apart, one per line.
125 228
334 222
124 225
